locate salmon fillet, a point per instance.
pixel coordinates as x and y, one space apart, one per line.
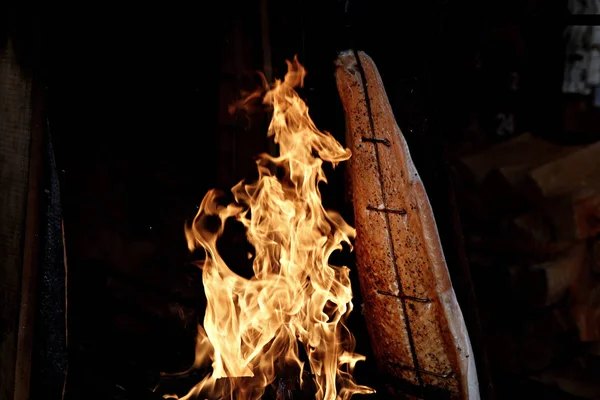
416 327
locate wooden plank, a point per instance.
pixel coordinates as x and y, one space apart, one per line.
31 250
15 133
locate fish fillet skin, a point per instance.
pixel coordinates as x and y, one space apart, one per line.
416 327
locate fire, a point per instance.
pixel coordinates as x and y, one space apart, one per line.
253 327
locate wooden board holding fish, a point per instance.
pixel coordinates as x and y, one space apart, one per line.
416 326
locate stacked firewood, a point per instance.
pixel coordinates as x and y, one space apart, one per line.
531 217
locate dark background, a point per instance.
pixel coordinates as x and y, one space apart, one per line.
136 101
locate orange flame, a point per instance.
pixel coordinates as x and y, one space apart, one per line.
252 327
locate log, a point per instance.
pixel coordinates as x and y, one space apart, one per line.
595 256
528 288
579 170
577 376
586 313
540 342
416 327
575 216
502 189
536 226
513 157
571 276
505 186
508 164
586 215
563 274
592 348
534 153
565 219
538 251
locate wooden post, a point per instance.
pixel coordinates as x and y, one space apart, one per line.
266 40
267 57
15 136
31 248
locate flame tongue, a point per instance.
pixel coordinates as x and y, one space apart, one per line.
253 326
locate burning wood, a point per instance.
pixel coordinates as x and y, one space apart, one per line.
416 327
